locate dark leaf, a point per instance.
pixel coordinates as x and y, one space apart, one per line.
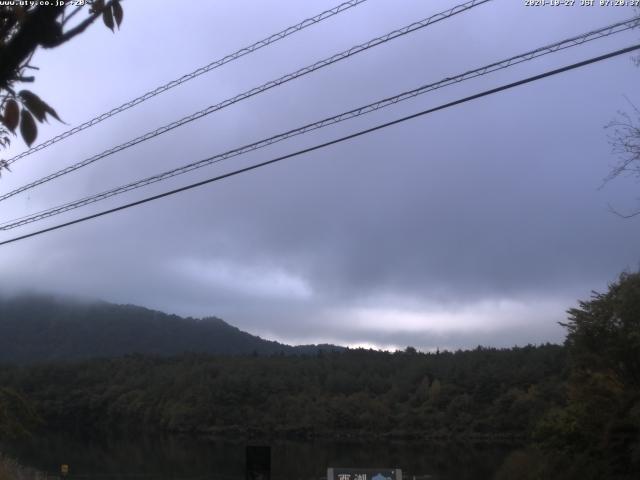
11 114
97 6
51 111
19 13
38 106
107 18
117 12
34 103
28 128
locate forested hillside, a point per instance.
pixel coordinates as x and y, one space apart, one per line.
482 393
37 328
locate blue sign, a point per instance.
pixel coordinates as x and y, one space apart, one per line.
335 473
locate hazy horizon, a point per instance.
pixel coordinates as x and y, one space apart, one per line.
75 299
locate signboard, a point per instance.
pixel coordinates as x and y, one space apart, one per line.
334 473
64 470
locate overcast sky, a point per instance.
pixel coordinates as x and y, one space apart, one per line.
480 224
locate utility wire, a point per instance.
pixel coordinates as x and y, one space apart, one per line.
332 142
254 91
561 45
190 76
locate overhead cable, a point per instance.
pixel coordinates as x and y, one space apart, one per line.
254 91
384 103
326 144
190 76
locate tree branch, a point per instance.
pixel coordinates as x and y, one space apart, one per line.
622 215
81 27
39 28
71 15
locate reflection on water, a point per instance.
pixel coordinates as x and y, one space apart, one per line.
182 457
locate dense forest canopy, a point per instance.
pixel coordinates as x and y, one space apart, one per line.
484 392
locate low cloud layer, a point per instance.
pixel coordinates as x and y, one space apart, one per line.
481 224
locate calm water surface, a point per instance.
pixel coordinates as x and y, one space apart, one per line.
184 457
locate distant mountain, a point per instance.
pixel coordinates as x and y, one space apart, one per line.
39 328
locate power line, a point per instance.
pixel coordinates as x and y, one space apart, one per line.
254 91
561 45
196 73
331 142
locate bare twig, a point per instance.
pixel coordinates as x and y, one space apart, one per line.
625 143
623 215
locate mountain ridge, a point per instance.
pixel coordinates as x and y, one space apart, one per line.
38 328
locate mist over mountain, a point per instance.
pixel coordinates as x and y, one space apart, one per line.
44 328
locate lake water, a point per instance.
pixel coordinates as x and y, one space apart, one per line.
184 457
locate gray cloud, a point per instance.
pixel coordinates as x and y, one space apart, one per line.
480 224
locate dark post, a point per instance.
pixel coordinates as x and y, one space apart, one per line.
258 463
